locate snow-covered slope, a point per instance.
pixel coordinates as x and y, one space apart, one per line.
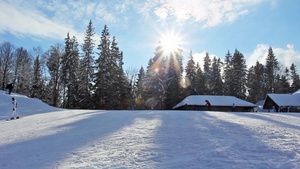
47 137
26 106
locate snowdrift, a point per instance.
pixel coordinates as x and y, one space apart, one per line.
26 106
48 137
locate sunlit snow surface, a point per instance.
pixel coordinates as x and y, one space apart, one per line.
48 137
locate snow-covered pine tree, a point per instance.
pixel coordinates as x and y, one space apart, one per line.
284 83
147 90
155 82
174 90
53 64
86 68
256 83
105 81
37 85
295 78
227 75
200 85
191 76
35 89
131 75
70 72
45 75
122 85
216 79
65 69
271 71
239 75
207 74
139 87
73 87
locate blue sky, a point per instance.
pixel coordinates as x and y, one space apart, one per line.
213 26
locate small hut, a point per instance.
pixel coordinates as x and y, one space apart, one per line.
218 103
283 102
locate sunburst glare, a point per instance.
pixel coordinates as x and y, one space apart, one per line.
170 42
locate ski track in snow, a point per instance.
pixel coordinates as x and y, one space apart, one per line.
58 138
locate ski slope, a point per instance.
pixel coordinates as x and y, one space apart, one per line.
48 137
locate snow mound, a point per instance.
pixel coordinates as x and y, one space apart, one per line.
26 106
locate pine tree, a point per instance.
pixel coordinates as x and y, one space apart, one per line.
271 71
45 92
73 74
65 66
103 75
191 76
207 74
54 67
200 79
70 72
155 80
239 75
295 78
112 87
285 85
174 91
123 87
227 75
36 86
256 83
87 67
282 85
147 85
216 79
139 87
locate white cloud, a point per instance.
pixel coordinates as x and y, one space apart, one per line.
102 13
27 22
285 57
146 7
259 54
161 12
199 58
54 19
210 13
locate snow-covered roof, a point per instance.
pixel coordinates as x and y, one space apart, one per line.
286 99
214 101
297 92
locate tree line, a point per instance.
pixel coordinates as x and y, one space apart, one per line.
163 85
94 78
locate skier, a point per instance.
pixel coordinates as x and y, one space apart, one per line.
15 105
208 105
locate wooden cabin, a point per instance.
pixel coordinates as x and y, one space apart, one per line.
218 103
283 102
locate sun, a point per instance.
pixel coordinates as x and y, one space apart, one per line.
170 43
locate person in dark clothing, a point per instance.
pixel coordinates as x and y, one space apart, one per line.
208 105
10 87
233 107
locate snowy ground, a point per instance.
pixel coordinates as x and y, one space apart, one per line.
48 137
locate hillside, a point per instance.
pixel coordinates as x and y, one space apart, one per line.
48 137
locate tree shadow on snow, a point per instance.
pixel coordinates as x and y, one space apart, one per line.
201 140
47 151
268 118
